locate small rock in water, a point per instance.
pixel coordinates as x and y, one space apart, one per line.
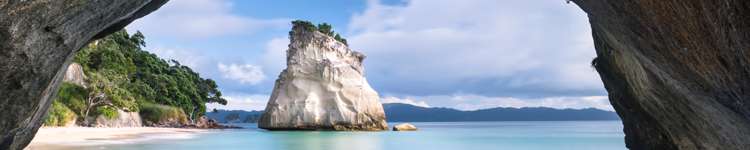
404 127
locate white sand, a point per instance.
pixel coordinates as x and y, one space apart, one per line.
48 137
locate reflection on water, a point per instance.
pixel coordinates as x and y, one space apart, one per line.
322 140
595 135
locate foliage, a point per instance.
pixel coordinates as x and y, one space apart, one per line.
107 111
111 84
309 26
340 39
156 113
73 98
324 28
59 115
121 75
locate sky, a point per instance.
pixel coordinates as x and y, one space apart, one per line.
468 55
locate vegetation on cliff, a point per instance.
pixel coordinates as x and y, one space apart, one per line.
59 115
121 75
324 28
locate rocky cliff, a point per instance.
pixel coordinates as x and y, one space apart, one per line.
123 119
74 74
677 71
38 38
322 88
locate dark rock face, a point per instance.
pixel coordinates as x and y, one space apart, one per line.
677 71
37 41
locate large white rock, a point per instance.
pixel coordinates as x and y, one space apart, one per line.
123 119
322 88
74 74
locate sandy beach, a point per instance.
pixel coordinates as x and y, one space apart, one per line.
71 137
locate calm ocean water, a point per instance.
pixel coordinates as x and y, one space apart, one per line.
578 135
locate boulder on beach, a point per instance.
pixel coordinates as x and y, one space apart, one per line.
120 120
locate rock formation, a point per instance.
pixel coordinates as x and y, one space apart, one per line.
38 38
74 74
404 127
204 122
123 119
677 71
322 88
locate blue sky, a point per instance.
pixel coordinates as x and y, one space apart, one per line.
470 54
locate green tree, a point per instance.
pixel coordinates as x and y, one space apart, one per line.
324 28
121 75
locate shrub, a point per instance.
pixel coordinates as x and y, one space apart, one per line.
107 111
160 114
309 26
73 98
59 115
340 39
324 28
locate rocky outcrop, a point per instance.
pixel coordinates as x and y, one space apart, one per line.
322 88
404 127
38 38
74 74
677 71
123 119
205 123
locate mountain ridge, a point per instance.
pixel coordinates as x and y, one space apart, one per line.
401 112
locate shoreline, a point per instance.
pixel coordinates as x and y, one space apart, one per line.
71 137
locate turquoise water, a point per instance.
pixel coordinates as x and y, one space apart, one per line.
578 135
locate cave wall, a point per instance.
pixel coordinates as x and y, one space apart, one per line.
677 71
38 39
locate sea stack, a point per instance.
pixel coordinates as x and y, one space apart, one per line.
323 87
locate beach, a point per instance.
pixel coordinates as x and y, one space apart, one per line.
516 135
73 137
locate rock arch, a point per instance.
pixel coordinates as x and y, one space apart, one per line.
37 41
676 70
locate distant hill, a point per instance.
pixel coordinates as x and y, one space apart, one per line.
234 116
398 112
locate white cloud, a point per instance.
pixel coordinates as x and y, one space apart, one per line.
391 99
478 46
241 102
474 102
187 57
274 57
245 73
198 19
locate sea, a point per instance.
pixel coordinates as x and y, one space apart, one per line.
512 135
